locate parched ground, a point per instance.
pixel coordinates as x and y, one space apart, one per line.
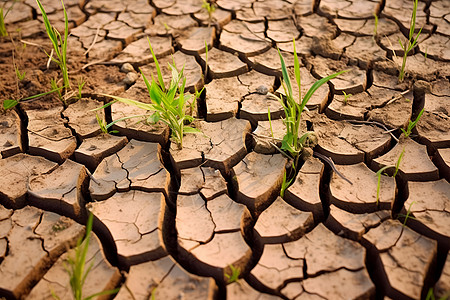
175 223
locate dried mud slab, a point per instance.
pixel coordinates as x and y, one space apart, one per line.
273 9
255 107
93 150
358 106
347 143
208 182
247 39
34 240
342 284
275 268
418 67
220 145
137 166
82 120
282 31
416 165
61 190
47 135
136 128
133 219
395 114
281 223
364 52
218 16
443 285
102 275
14 174
361 195
352 82
194 40
257 180
365 27
314 25
438 103
236 289
183 8
10 134
349 10
164 25
320 97
262 136
403 261
442 161
223 97
434 129
269 62
304 193
354 226
391 11
138 52
163 279
324 252
223 64
428 204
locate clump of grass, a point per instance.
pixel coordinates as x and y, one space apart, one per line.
104 126
410 43
59 43
235 273
168 104
210 8
3 31
77 267
292 144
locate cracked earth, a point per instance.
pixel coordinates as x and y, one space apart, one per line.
174 223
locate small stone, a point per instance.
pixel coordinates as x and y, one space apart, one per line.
262 89
131 78
127 68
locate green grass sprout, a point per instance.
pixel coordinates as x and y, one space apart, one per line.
412 124
210 8
76 267
410 43
375 29
81 83
380 172
168 104
10 103
59 43
291 144
3 31
20 75
346 96
235 273
408 214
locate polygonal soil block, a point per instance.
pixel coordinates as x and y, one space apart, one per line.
163 279
206 181
442 160
304 193
34 240
101 277
415 165
14 174
435 128
82 119
195 40
275 268
137 166
220 145
133 219
257 180
247 39
92 150
364 194
324 251
223 64
428 205
281 223
351 225
236 290
443 285
48 136
10 132
61 190
402 259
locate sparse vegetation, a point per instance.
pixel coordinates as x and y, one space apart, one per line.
210 8
234 276
3 14
292 144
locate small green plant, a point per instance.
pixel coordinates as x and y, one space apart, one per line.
20 75
59 43
10 103
346 96
410 43
292 144
168 104
430 295
412 124
54 85
77 267
3 31
408 214
81 83
104 126
375 29
383 169
235 272
210 8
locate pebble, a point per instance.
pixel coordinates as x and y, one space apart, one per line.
131 78
127 68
